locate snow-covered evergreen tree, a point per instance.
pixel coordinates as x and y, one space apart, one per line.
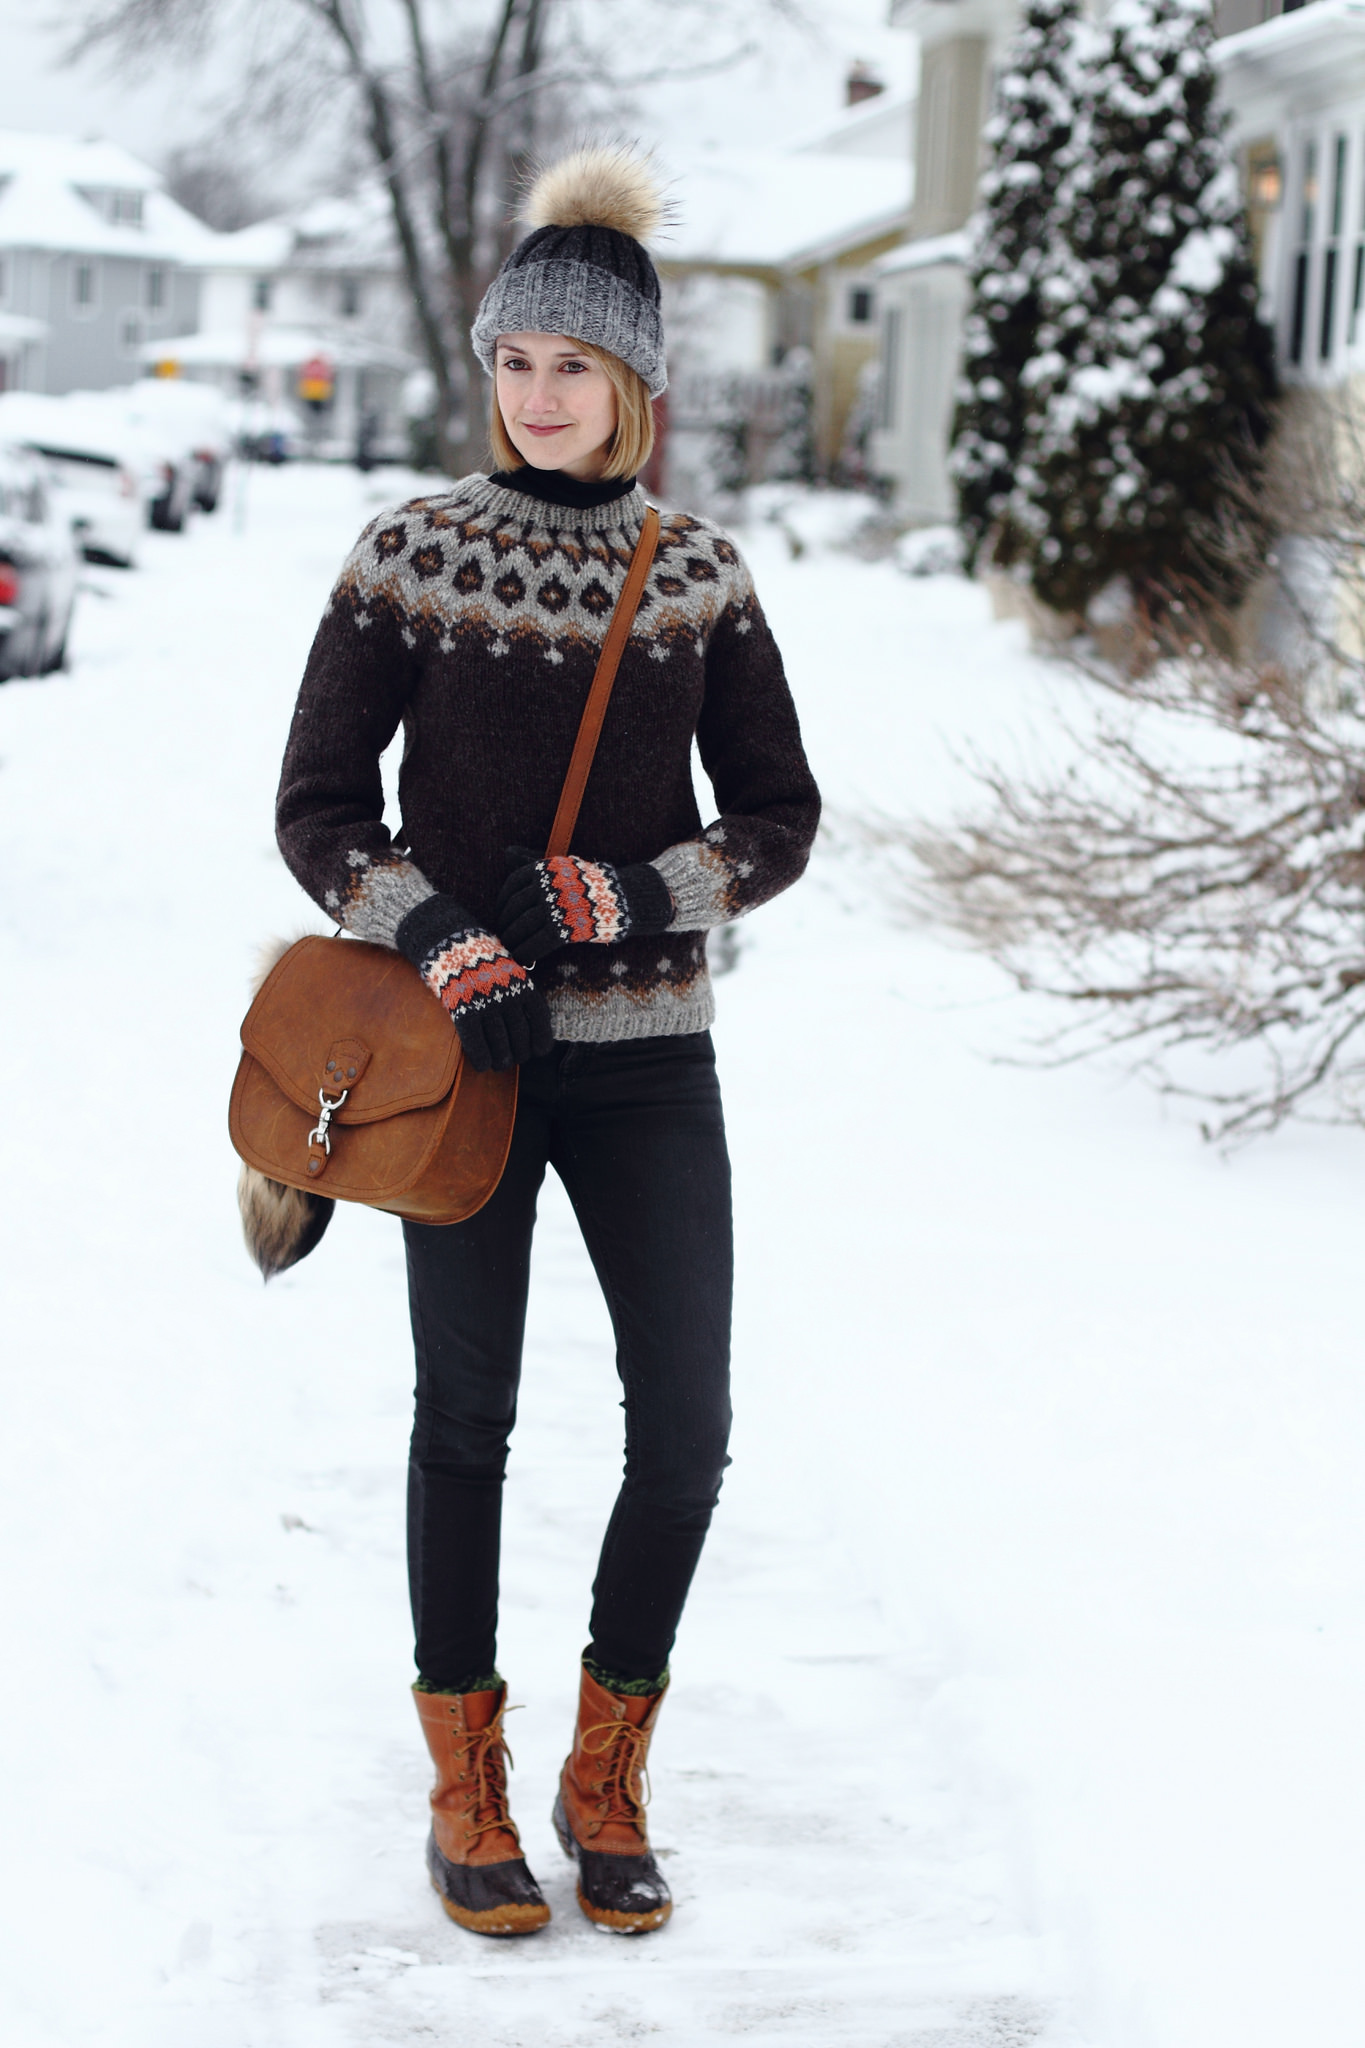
1154 375
1027 136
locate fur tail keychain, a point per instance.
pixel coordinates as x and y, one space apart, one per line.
281 1224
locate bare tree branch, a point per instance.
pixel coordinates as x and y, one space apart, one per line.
450 124
1190 885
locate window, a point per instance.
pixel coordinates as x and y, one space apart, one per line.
350 297
130 333
156 290
84 286
890 365
261 294
1327 324
1358 273
1308 200
860 305
121 208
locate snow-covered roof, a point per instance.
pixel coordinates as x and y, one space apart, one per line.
1319 45
772 210
47 188
92 161
264 246
882 126
351 233
355 231
283 348
924 253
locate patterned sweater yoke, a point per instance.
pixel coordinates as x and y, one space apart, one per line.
473 619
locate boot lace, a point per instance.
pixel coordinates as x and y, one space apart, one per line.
624 1748
485 1751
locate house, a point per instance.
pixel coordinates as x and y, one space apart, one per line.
103 275
1294 81
95 259
1295 86
776 251
322 287
922 285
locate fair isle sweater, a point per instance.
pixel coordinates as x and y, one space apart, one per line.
474 618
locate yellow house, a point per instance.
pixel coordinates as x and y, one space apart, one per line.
776 251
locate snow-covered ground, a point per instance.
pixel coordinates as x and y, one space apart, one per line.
1019 1699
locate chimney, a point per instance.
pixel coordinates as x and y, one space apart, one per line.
862 83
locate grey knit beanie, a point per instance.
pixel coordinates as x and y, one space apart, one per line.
584 270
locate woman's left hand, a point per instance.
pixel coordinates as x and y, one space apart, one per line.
563 900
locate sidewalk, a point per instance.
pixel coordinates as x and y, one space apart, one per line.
216 1823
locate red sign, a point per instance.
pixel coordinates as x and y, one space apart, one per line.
317 381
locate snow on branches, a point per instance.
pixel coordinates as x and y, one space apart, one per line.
1027 136
1139 376
1190 879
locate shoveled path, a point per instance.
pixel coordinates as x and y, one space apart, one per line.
215 1815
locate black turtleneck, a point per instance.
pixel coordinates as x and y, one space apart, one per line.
557 487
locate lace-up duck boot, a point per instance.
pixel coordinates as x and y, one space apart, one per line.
599 1815
474 1851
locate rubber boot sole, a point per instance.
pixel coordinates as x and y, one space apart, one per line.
501 1916
605 1917
495 1920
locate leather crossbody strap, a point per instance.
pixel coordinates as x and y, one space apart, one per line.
595 710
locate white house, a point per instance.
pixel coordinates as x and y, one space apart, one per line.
1295 85
776 250
921 285
95 259
1294 82
102 274
324 283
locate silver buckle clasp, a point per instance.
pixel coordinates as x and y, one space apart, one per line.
319 1136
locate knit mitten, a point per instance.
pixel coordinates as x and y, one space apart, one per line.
565 901
500 1014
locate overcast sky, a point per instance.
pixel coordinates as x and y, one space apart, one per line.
796 84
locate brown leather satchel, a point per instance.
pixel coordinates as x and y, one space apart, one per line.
351 1086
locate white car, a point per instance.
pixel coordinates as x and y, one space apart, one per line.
38 569
101 475
197 415
168 464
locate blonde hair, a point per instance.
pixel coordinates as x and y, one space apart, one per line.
632 438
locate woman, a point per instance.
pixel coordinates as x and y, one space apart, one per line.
475 617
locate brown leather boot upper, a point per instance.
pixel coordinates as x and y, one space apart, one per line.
603 1781
469 1815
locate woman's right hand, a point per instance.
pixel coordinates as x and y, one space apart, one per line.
500 1014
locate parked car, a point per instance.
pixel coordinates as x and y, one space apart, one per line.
169 467
100 475
38 568
197 415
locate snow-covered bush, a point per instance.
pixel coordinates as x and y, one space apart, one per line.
813 518
791 457
1027 137
930 551
1151 387
727 450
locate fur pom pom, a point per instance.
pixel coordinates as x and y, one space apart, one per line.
597 188
268 958
281 1225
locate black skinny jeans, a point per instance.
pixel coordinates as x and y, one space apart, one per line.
635 1132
